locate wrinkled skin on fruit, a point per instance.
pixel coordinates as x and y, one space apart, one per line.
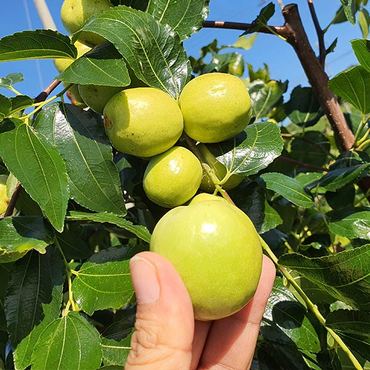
96 97
219 170
217 252
215 106
173 177
143 121
4 199
75 13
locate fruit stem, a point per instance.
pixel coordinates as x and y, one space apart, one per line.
310 305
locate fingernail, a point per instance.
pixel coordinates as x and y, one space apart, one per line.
145 281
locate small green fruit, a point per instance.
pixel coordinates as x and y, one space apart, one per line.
143 121
219 170
217 252
4 199
96 97
215 106
173 177
75 13
63 63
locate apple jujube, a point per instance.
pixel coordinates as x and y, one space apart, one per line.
143 121
217 252
173 177
96 97
4 199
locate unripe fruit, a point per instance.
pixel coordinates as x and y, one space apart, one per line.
173 177
215 106
217 252
4 199
219 170
96 97
75 13
143 121
63 63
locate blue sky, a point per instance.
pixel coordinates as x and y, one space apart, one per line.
19 15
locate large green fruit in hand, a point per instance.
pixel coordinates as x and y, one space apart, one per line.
96 97
75 13
143 121
4 200
215 106
173 177
219 170
217 252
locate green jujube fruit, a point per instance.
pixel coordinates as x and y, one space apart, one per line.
216 250
96 97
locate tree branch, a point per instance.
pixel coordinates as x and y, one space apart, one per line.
44 94
320 33
295 34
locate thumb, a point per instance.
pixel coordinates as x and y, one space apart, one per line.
164 326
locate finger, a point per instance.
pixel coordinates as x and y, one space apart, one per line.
200 336
164 326
231 341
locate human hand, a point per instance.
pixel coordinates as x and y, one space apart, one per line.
166 336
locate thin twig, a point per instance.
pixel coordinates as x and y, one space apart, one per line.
44 94
320 33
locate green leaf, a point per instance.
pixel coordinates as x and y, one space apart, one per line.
354 328
338 178
285 320
50 310
185 17
362 51
364 21
345 275
288 188
244 42
349 8
10 80
151 49
102 66
115 352
264 16
100 286
19 235
5 274
68 343
20 102
39 44
29 290
80 139
5 107
303 109
353 86
265 95
109 218
354 223
39 168
252 150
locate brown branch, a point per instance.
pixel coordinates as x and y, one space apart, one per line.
320 33
44 94
295 34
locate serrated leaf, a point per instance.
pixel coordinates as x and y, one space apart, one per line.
80 139
82 349
362 50
303 108
354 223
338 178
264 96
39 44
345 275
349 8
264 16
30 288
252 150
39 168
50 310
288 188
11 79
185 17
353 86
100 286
19 235
109 218
115 352
285 320
102 66
152 50
354 328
